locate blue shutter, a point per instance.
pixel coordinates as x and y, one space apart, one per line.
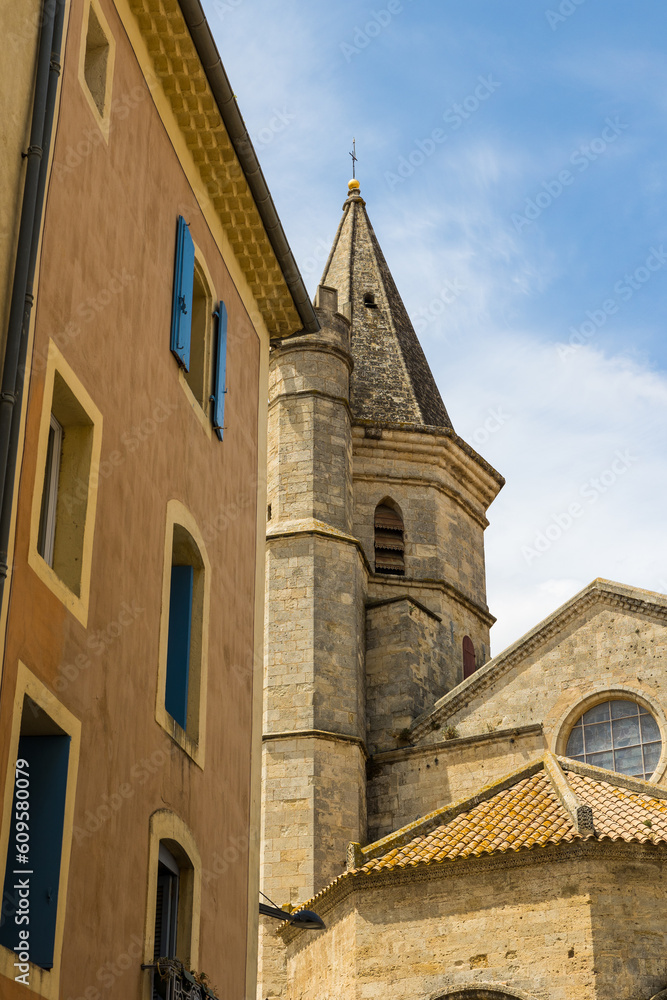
184 276
48 758
220 372
178 647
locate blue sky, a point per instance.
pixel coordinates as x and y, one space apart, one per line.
513 157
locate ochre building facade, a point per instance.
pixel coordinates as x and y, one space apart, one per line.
132 614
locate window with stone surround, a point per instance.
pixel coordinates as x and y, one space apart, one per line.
618 735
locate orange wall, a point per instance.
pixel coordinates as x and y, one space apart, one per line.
105 295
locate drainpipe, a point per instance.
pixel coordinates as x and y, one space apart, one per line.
37 155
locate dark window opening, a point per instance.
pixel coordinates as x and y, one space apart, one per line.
95 61
268 512
38 815
389 541
166 905
468 657
178 645
369 301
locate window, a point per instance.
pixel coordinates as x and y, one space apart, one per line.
65 498
389 541
173 900
180 706
96 61
369 301
65 488
468 657
166 905
47 518
46 737
200 350
618 735
185 619
37 821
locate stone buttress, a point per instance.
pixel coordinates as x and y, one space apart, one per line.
314 761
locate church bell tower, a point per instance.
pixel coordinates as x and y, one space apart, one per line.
375 584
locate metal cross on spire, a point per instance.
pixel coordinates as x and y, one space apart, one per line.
353 154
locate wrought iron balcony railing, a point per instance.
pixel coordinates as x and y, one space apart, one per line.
170 980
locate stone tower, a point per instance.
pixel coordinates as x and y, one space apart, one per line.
375 583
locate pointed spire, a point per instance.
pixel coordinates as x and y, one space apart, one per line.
391 380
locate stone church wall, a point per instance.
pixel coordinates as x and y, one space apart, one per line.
409 783
402 668
604 649
572 923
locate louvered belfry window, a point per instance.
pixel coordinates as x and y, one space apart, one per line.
389 541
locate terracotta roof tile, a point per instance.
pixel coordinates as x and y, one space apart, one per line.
525 815
619 813
524 810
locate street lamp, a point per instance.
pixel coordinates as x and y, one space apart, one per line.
307 920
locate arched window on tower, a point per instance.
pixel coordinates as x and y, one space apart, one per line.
369 301
468 657
389 541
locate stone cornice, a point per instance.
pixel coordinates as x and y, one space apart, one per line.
409 583
599 593
311 526
421 480
316 734
178 69
312 343
316 393
381 602
564 853
437 445
382 757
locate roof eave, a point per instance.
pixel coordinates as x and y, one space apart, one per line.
207 51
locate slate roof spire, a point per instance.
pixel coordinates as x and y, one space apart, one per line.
391 381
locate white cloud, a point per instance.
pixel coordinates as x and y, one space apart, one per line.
448 225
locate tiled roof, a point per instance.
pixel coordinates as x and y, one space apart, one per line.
525 815
620 813
548 802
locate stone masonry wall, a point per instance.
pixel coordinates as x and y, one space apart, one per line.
403 673
604 649
404 785
309 438
550 924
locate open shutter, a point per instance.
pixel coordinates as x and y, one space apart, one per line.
178 647
220 371
181 313
48 758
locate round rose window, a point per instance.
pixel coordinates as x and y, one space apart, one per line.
619 736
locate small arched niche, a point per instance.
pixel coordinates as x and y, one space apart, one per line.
389 539
369 300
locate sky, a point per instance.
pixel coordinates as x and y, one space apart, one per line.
513 159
